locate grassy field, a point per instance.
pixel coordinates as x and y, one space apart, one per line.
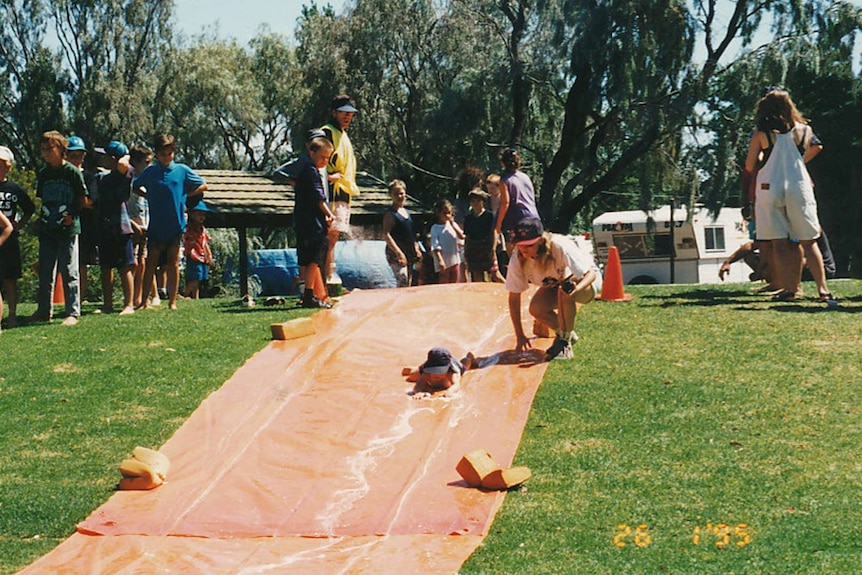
698 430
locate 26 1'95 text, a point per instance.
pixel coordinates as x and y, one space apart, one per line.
721 535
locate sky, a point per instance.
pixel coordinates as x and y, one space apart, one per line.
241 19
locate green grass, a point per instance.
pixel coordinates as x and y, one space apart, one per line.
76 401
686 407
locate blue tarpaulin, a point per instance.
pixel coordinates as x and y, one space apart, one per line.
361 264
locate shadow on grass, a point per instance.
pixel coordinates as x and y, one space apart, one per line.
700 297
748 301
817 307
238 307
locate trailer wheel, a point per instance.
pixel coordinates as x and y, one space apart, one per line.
643 280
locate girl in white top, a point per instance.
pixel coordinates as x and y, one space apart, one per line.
567 277
444 243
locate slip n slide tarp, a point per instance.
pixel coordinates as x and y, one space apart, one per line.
313 458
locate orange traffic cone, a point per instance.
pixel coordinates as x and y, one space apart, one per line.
59 298
612 287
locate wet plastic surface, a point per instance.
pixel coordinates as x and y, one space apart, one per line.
313 457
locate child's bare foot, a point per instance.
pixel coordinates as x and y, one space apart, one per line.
172 307
470 361
128 310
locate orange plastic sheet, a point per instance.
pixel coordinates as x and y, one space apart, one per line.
313 457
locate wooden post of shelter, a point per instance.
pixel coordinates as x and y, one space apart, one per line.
243 261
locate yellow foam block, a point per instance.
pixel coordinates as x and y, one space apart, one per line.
293 329
135 468
501 479
159 462
475 466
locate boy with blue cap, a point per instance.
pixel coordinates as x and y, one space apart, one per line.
196 249
116 249
440 371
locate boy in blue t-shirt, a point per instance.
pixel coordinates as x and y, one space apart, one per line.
167 186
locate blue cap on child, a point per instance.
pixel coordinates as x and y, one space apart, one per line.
439 361
200 207
114 149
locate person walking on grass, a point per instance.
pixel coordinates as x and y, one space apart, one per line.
785 208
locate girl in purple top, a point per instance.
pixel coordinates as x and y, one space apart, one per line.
517 197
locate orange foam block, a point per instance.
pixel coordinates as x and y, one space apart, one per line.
476 466
293 329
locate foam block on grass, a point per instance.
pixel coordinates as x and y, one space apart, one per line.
293 329
158 462
501 479
476 466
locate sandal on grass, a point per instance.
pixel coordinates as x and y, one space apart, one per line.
827 296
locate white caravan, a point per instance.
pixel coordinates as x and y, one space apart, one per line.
644 244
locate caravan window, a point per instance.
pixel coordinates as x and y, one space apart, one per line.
714 239
635 246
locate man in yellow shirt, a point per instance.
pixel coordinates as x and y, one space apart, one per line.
341 171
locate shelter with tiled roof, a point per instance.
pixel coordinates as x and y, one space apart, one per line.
244 200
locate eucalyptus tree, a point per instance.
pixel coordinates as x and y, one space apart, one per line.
623 85
233 106
33 82
275 70
418 71
113 50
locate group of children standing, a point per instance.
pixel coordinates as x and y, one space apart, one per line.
137 220
465 251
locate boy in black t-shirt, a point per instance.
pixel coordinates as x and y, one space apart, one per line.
17 206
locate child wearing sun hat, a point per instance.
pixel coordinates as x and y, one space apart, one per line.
439 372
